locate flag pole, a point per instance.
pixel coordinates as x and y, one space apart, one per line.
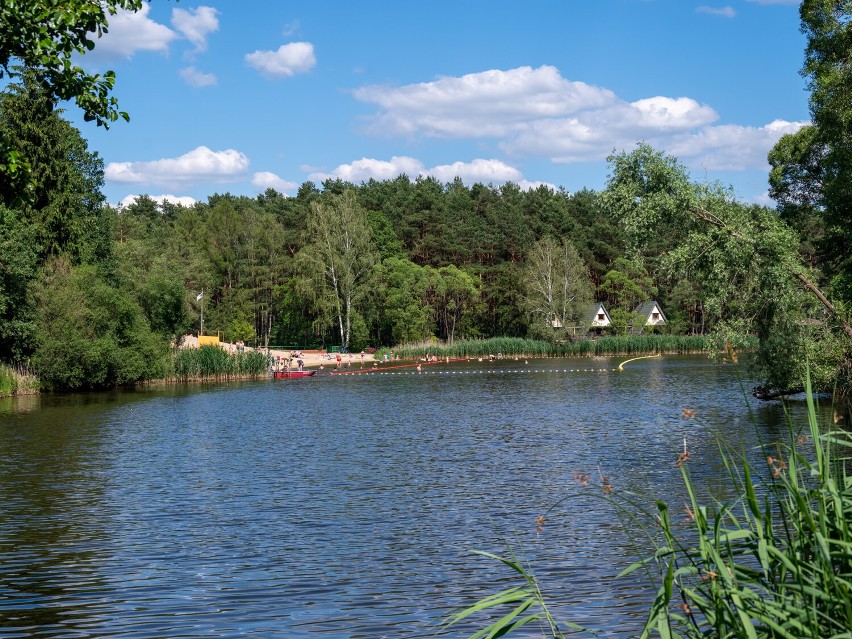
201 297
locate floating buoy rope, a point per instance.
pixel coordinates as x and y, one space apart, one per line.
394 369
627 361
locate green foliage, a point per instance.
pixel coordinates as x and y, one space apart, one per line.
18 263
828 29
162 297
624 288
8 381
527 603
795 183
456 295
557 287
242 330
65 203
45 37
743 260
408 299
89 334
338 261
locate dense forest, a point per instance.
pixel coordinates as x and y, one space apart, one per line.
92 295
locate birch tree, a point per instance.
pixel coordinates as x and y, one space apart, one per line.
338 261
557 285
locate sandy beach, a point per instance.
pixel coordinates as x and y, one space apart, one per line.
311 358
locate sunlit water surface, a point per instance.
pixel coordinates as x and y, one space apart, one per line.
349 506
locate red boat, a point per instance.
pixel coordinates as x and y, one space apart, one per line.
292 374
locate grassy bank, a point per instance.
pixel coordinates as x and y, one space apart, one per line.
609 345
774 562
210 363
17 381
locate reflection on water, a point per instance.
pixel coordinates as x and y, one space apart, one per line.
347 506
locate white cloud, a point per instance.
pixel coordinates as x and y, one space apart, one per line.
731 147
668 114
287 61
487 104
485 171
266 180
130 32
526 185
479 170
368 168
725 12
195 78
537 113
199 166
196 24
183 200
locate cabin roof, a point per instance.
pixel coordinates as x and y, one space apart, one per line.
645 310
591 313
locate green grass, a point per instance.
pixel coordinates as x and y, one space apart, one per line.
774 562
608 345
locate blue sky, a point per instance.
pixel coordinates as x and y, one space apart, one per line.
238 96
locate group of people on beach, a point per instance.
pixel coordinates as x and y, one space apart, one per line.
295 356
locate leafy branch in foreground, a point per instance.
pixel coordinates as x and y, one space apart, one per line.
776 561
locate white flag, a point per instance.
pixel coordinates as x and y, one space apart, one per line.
199 296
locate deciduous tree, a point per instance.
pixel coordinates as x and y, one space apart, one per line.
557 287
338 260
43 37
745 258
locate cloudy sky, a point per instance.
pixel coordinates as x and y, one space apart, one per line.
229 96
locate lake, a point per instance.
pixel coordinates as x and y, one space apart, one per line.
349 506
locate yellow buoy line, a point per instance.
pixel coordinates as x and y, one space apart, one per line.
621 366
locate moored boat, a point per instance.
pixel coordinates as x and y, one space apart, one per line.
291 374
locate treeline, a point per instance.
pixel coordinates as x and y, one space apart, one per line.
93 296
382 263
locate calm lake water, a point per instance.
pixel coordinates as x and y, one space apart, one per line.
349 506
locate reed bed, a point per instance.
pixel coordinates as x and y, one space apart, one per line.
214 364
17 380
517 346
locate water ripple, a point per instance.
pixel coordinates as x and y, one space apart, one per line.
343 507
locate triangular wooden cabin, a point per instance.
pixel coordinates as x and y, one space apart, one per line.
651 313
596 318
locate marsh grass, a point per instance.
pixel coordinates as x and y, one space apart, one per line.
17 380
773 562
214 364
512 346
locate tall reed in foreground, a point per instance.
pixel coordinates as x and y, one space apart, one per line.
774 562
